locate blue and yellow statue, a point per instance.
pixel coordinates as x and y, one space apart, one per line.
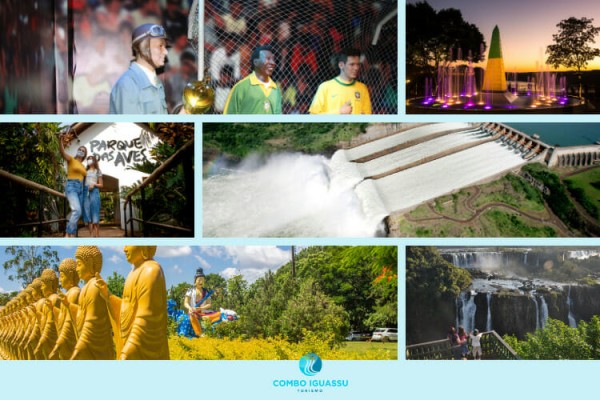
197 303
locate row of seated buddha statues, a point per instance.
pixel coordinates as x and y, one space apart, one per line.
89 323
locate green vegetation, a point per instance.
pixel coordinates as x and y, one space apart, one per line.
29 151
513 191
508 224
557 341
276 348
239 140
432 285
558 200
28 262
169 199
429 276
116 284
368 347
330 291
585 188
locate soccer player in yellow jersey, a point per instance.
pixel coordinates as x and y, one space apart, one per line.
343 94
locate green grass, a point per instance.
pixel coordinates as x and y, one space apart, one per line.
239 140
589 182
513 191
364 347
503 224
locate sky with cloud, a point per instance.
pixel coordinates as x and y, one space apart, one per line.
526 27
180 262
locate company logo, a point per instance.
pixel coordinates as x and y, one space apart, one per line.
310 364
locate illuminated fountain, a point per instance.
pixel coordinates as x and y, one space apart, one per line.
454 88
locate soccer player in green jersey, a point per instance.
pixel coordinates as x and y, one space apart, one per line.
257 93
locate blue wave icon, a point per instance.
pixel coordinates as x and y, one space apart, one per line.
310 364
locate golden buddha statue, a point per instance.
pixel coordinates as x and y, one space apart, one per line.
34 319
28 317
49 334
94 340
65 325
142 312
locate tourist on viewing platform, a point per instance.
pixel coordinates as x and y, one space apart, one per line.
452 336
74 189
91 196
476 344
463 341
257 93
343 94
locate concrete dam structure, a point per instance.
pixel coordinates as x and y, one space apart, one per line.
415 165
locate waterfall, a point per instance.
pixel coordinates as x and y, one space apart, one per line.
572 321
537 311
544 312
455 259
582 254
488 323
466 309
525 258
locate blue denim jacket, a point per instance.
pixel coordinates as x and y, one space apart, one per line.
135 94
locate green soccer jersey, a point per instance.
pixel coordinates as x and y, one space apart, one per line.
251 96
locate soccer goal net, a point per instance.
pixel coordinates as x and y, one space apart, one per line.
305 36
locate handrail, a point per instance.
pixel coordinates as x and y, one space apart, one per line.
30 184
162 169
491 344
170 163
42 191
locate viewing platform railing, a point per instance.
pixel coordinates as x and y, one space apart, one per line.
493 347
183 156
37 217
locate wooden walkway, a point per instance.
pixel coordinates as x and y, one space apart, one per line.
105 231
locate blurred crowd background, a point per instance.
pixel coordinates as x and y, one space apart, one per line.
38 48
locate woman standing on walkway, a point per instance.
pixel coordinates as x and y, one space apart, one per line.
74 188
91 199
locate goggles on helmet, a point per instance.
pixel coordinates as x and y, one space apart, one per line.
155 31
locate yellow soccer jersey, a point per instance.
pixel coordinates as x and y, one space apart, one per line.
332 95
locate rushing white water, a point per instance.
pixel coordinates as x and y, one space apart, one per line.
583 254
413 186
466 309
416 153
572 320
290 195
537 311
402 137
543 312
488 323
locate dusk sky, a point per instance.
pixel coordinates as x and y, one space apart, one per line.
180 263
526 26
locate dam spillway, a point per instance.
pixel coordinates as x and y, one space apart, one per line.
452 156
351 193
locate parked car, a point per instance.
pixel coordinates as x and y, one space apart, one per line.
385 335
355 335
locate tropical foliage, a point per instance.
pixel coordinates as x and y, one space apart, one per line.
239 140
273 348
432 284
28 262
169 199
328 291
29 151
432 35
558 341
572 44
557 197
